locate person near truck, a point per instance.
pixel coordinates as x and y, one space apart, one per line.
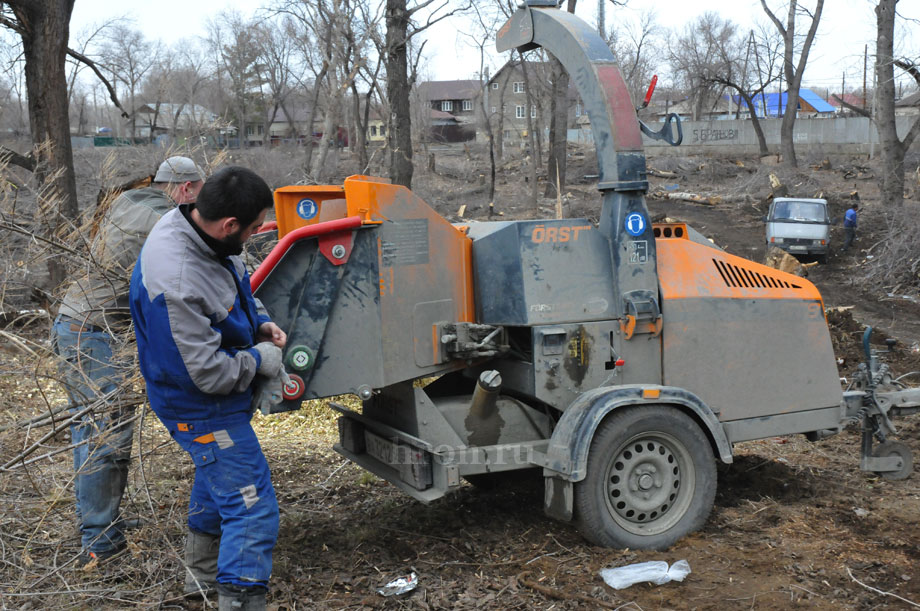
850 223
203 340
90 326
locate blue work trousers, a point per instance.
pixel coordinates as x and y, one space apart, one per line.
102 436
232 496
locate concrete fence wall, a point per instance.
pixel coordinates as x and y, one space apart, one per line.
844 135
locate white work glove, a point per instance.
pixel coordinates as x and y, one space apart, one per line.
268 392
271 359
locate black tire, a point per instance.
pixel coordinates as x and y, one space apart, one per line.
651 479
895 448
822 259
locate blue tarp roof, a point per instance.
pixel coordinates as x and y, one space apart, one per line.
774 100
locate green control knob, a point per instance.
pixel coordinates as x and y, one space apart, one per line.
300 358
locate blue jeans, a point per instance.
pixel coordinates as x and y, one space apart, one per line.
232 497
102 437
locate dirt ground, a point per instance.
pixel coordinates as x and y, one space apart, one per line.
795 524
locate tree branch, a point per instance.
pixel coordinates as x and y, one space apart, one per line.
23 161
809 38
92 65
13 25
430 22
860 111
912 134
776 22
908 67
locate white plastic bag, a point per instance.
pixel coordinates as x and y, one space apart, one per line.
656 571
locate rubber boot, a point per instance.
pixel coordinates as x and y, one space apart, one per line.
201 550
237 598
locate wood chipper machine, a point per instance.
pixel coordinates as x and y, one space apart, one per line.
622 358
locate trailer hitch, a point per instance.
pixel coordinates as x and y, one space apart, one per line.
665 133
889 459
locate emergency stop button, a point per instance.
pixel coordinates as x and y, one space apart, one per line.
300 358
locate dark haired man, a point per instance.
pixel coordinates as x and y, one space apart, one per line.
203 339
89 332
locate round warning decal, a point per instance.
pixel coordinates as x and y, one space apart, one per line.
307 209
635 224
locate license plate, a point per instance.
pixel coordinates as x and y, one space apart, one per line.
413 464
798 248
382 449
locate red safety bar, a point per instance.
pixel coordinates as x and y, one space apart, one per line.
351 222
267 226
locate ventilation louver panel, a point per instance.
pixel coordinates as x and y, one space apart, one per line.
739 277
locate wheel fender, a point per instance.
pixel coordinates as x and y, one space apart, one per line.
567 455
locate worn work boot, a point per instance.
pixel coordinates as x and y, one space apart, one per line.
236 598
201 550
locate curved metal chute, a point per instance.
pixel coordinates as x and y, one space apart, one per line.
622 179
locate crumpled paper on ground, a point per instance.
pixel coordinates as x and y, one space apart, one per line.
655 571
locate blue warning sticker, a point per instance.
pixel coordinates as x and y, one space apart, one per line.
307 209
635 224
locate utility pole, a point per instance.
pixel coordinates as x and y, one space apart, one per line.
601 19
747 55
763 95
865 66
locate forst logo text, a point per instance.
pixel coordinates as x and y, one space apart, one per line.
542 233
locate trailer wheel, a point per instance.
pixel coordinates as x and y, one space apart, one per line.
651 479
901 450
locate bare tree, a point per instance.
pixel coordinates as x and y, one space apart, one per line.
400 29
486 23
188 79
728 69
311 30
158 87
364 35
536 161
893 148
129 57
275 63
44 28
793 70
13 68
558 122
231 38
692 55
636 46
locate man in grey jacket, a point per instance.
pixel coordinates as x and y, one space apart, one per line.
87 333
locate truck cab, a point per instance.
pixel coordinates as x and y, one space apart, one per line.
799 226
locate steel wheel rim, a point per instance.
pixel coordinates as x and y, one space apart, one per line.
649 483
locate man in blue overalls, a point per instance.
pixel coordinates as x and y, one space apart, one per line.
203 341
850 223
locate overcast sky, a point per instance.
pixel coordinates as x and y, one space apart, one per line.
846 26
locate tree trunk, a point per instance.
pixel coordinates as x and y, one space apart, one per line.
360 141
329 134
755 123
46 29
793 72
308 145
892 179
787 127
400 134
558 130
